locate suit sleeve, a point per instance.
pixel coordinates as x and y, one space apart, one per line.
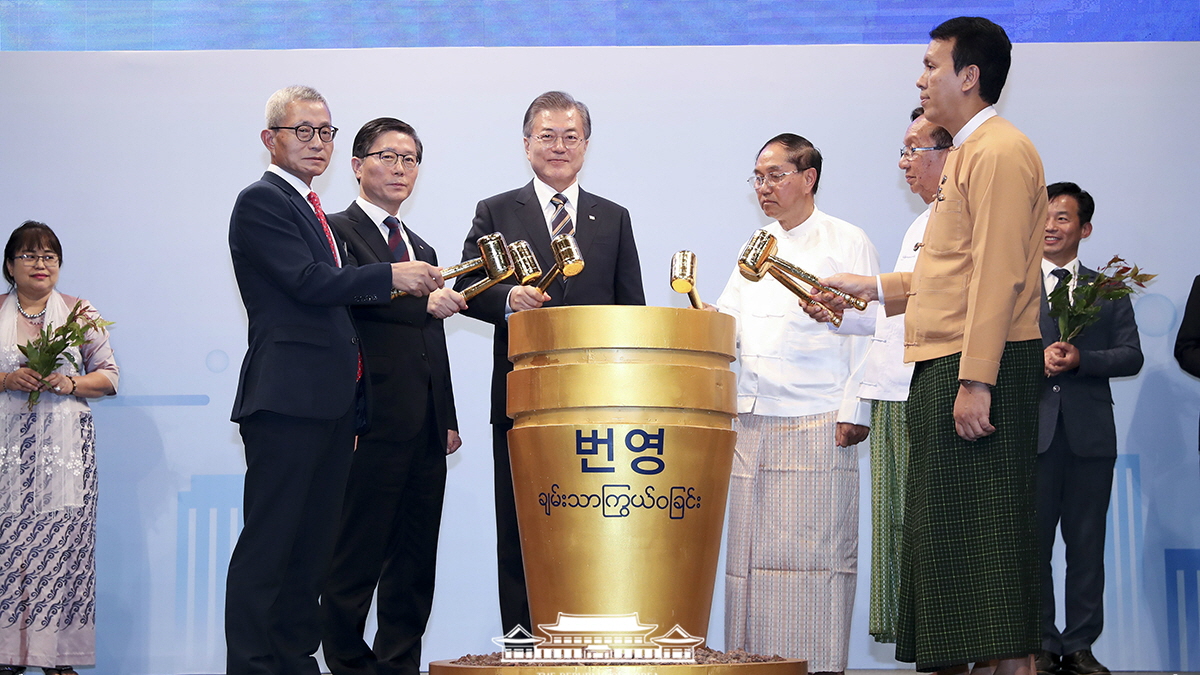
628 284
1123 356
1187 342
265 234
489 305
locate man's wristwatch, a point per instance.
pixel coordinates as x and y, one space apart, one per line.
970 382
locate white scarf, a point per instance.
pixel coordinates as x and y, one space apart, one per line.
53 428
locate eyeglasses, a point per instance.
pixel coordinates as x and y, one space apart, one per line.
549 140
304 132
29 260
409 162
911 153
771 179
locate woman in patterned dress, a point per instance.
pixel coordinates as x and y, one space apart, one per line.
47 470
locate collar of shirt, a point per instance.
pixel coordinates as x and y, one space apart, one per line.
1051 281
974 123
303 190
545 193
377 215
801 229
294 182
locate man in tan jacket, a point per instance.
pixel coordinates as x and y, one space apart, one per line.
969 561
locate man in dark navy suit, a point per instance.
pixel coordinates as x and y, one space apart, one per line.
556 131
393 506
1077 439
296 394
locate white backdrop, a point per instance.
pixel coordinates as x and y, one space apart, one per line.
135 160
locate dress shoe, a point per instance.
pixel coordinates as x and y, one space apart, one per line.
1046 663
1082 663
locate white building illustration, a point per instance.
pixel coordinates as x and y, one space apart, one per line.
599 638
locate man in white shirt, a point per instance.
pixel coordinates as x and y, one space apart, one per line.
557 129
886 380
793 508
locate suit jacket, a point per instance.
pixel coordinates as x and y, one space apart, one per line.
404 345
1108 348
611 274
975 284
302 352
1187 341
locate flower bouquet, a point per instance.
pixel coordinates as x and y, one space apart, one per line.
46 351
1076 311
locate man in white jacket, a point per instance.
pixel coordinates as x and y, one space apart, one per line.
793 525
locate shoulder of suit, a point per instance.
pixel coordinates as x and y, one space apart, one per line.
505 196
597 200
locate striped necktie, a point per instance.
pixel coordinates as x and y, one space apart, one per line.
396 240
561 222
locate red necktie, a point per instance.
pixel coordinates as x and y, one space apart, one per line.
316 203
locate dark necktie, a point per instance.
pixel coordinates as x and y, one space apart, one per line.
316 203
561 222
1061 274
396 240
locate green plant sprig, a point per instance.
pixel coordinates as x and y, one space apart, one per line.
1076 311
45 352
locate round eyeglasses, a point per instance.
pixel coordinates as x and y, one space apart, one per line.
304 132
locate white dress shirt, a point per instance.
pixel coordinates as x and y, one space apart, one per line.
973 124
377 215
887 376
791 365
545 193
1050 282
304 190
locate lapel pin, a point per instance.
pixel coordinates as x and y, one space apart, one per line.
591 217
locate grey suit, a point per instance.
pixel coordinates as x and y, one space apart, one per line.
1077 449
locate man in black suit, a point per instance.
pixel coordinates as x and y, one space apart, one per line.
556 131
1077 440
393 506
296 394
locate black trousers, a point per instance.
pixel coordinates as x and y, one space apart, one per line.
514 601
1073 493
388 539
296 472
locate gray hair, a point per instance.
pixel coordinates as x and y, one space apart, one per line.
278 103
557 100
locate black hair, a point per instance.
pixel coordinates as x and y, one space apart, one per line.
800 151
30 236
1087 205
982 43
